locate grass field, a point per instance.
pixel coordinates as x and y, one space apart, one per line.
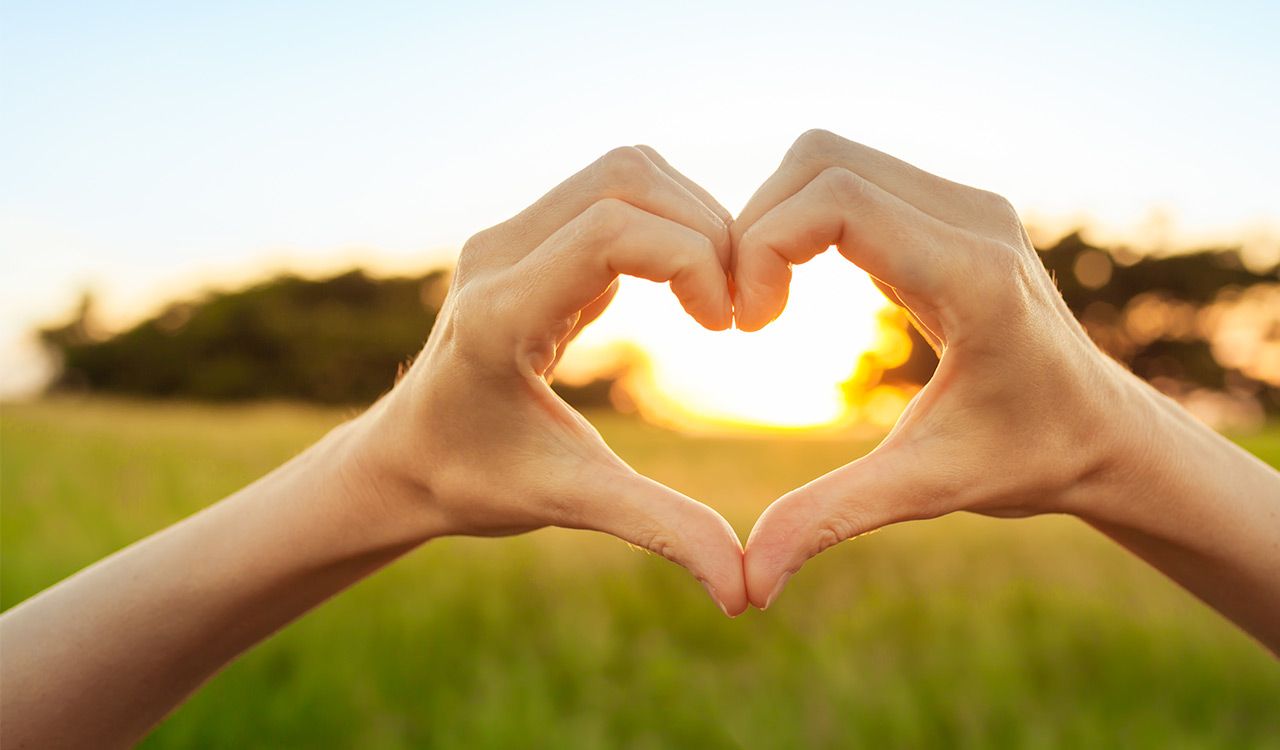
961 632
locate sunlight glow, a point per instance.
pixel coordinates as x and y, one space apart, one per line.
788 375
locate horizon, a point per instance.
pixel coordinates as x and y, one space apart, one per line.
153 153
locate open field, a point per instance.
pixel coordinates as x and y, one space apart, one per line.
961 632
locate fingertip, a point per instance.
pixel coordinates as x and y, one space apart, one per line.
780 543
764 579
756 305
695 536
748 317
717 316
720 319
728 585
777 589
741 311
731 606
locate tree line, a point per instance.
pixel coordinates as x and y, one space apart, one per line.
343 339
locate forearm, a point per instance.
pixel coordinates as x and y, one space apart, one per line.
103 656
1200 509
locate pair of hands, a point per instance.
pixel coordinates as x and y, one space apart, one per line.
1023 416
1009 424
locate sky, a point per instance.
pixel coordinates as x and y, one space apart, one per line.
148 150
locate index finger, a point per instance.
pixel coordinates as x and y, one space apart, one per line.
697 190
880 233
950 202
627 174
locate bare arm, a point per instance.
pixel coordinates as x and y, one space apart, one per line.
1201 509
1024 415
103 656
471 441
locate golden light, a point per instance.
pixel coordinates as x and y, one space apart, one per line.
790 375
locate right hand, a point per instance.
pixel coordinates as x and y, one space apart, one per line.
1024 414
474 437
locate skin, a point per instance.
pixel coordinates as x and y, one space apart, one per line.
471 441
1025 415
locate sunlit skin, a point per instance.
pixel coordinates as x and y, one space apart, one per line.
471 441
1024 416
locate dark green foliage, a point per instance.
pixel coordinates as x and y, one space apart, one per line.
335 340
1194 279
343 339
1197 277
339 340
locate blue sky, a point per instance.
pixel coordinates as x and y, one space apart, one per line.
150 148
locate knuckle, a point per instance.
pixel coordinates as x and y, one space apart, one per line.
478 243
703 253
476 326
816 145
478 306
606 218
843 185
842 525
659 543
624 168
996 203
1002 260
1002 275
829 534
697 264
475 250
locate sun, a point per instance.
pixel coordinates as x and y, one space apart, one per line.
787 376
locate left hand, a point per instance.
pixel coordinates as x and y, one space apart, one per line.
474 439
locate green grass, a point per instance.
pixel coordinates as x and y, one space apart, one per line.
961 632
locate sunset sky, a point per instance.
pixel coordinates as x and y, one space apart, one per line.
148 150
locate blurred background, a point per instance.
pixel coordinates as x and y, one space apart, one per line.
225 227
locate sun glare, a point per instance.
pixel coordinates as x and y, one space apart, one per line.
786 376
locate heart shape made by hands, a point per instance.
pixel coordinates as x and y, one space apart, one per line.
955 258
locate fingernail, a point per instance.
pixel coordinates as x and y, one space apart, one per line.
777 589
712 593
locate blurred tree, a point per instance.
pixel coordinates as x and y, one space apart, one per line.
342 339
335 340
1150 312
332 340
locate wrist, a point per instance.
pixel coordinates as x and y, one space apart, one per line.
382 471
1149 451
1116 436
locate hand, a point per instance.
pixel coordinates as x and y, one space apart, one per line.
474 435
1021 415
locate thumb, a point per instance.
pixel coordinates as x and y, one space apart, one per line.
651 515
872 492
